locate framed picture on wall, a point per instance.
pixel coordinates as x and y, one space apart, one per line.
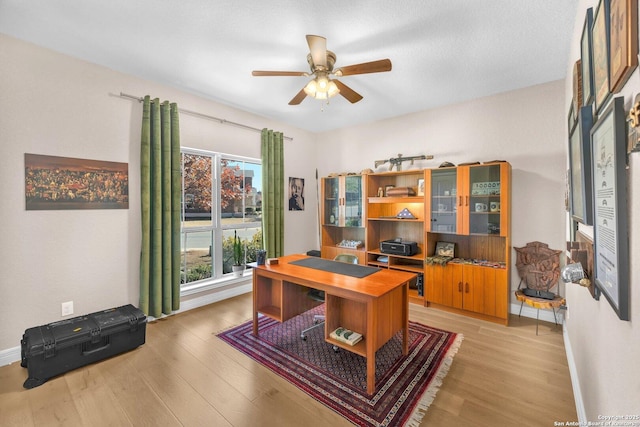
580 197
65 183
624 42
610 222
586 58
600 38
296 194
577 85
571 117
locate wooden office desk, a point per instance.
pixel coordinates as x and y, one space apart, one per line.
376 305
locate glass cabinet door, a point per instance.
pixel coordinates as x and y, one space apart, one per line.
353 201
443 201
484 199
331 201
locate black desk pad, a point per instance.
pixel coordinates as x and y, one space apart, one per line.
353 270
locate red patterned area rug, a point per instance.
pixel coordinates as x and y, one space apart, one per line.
405 385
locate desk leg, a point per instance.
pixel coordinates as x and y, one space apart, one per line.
405 319
371 349
255 302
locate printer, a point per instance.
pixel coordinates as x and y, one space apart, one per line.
398 247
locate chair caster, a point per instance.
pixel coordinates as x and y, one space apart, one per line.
304 337
336 349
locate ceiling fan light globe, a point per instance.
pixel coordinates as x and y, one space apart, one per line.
321 88
311 88
323 82
332 90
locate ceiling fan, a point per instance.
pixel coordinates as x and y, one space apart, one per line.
321 62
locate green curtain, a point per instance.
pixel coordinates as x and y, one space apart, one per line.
160 202
272 192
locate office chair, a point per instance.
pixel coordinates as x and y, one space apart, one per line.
316 295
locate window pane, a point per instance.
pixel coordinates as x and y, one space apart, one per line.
196 256
241 192
251 239
219 195
196 193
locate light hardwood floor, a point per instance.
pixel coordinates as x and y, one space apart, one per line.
184 375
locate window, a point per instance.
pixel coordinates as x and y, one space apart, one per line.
221 194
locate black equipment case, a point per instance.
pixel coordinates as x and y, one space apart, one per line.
58 347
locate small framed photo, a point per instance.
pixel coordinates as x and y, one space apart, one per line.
421 187
445 249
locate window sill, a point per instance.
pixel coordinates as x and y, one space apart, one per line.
207 285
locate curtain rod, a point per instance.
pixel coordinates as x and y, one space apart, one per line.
200 115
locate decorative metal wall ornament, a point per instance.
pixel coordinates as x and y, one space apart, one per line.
634 124
538 266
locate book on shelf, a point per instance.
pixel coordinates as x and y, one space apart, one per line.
346 336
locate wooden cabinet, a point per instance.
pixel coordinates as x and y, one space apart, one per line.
442 200
483 198
383 223
343 216
466 205
470 207
478 291
469 199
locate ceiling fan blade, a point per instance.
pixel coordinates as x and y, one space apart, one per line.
379 66
318 49
351 95
298 98
279 73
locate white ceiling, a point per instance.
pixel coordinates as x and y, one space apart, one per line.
443 51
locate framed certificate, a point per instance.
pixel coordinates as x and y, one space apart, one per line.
610 222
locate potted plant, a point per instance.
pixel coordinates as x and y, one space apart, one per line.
238 255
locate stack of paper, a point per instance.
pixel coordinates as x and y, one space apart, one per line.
346 336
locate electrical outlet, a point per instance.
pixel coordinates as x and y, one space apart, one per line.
67 308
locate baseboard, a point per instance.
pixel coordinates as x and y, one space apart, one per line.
12 355
544 315
575 380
